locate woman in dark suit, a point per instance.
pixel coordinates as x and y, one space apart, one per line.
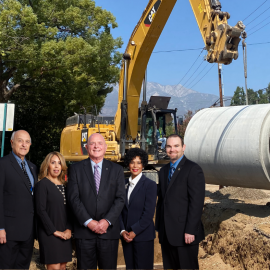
136 219
54 224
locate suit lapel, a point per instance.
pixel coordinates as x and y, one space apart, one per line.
89 172
127 183
19 170
164 183
106 166
136 189
176 173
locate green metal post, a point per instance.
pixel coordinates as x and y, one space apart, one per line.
4 130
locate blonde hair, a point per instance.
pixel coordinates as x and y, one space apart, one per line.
45 165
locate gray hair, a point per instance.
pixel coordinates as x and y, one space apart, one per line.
13 135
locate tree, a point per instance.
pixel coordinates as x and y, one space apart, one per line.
253 97
239 97
67 41
268 92
182 128
55 58
262 97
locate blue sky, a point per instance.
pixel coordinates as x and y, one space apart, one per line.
182 32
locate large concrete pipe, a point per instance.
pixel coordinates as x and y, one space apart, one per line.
231 144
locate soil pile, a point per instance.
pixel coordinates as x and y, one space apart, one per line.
237 228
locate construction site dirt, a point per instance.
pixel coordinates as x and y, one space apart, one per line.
237 230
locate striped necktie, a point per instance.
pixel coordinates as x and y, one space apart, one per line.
172 169
26 175
97 177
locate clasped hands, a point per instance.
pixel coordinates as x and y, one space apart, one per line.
99 227
128 236
3 237
63 235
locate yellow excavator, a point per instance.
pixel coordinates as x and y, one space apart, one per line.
135 126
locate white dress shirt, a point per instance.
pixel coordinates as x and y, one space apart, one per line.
132 184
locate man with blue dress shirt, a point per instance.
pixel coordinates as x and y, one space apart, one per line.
17 181
181 192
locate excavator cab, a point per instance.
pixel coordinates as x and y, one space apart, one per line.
157 123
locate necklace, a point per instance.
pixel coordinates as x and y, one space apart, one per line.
62 191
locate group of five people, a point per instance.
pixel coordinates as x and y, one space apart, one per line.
98 205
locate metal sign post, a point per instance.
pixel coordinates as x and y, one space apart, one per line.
4 130
6 121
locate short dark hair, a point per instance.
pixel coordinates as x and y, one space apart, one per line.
136 152
176 136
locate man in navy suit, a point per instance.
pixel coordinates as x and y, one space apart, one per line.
136 220
18 177
180 203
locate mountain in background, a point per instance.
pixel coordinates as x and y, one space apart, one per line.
181 98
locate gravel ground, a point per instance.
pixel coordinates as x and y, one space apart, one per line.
239 193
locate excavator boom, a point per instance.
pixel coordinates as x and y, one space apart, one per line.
221 42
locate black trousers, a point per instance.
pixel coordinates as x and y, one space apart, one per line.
97 252
139 255
184 257
16 254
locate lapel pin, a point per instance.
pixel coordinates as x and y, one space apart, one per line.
178 169
107 169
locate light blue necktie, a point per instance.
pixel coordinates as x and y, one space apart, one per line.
172 169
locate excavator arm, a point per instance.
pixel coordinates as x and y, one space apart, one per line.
221 42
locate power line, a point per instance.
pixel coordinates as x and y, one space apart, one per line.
258 24
189 68
218 101
258 43
195 77
255 10
183 50
258 29
202 76
192 75
83 56
258 16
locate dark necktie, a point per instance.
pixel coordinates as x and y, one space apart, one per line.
97 177
26 175
172 169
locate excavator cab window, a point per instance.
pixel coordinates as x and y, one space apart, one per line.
165 127
150 141
169 124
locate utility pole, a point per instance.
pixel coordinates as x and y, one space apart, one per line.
244 45
220 94
220 85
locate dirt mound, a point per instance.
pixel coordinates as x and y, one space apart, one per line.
238 231
239 193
